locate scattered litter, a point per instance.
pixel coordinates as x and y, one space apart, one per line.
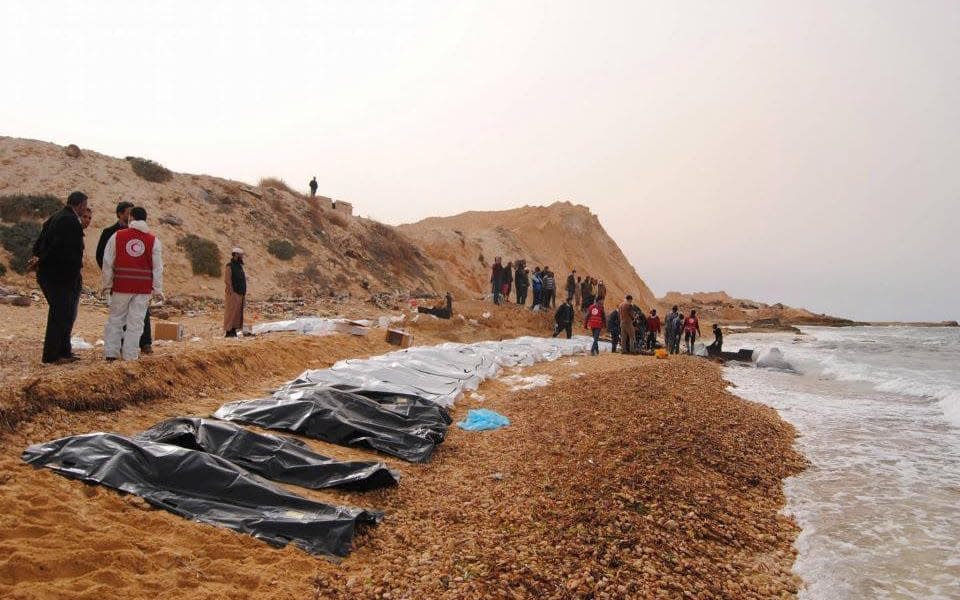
477 397
483 419
415 318
98 343
473 322
576 375
519 382
485 315
78 343
497 476
195 339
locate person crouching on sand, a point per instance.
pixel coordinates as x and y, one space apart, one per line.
235 294
132 272
595 321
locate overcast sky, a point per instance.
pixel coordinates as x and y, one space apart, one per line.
803 152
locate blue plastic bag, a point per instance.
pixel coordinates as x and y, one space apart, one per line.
481 419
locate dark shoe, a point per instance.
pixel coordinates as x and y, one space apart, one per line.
231 333
110 358
71 358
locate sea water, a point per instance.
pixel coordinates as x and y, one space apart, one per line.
877 410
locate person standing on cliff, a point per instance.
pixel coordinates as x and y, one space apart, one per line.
627 332
59 262
132 273
235 294
313 187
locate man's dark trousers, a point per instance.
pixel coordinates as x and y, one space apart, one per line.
62 301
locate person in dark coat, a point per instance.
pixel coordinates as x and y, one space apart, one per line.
613 326
313 186
496 279
123 220
521 280
59 252
506 282
571 286
235 294
716 347
564 319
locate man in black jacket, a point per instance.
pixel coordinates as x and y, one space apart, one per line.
123 220
59 252
564 319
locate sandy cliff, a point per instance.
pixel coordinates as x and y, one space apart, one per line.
563 236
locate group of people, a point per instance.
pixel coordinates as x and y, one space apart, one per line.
130 258
632 329
516 277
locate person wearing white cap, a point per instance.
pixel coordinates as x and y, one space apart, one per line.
235 293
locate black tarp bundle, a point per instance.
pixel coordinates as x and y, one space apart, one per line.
280 458
403 426
204 488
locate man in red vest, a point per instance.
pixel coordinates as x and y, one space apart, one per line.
132 273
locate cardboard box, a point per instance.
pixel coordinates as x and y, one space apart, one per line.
399 337
164 330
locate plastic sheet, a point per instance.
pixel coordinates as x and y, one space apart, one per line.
280 458
439 373
204 488
315 326
482 419
405 427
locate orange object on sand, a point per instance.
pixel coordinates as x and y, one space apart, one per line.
660 353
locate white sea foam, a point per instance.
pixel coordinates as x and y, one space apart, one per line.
878 412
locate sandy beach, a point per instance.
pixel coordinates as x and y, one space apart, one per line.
625 477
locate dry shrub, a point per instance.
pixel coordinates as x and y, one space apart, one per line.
204 255
278 184
28 207
336 218
149 170
18 240
282 249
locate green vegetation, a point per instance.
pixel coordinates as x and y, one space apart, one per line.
282 249
149 170
28 207
18 240
204 255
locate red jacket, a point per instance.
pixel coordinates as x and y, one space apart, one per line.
595 317
653 324
133 266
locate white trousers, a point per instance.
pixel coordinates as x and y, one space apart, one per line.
125 310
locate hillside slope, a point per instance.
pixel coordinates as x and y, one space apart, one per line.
335 252
563 236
